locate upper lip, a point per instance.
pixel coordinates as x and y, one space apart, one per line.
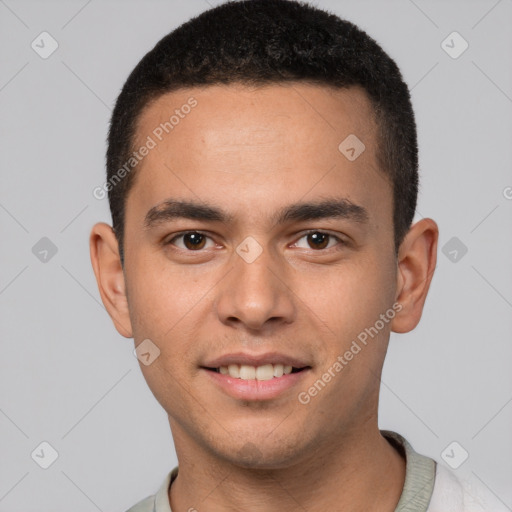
255 360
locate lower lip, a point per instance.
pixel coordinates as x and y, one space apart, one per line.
255 389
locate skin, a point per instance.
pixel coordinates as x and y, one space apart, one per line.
252 151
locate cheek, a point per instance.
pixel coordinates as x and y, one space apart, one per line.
167 308
354 338
168 386
162 298
350 298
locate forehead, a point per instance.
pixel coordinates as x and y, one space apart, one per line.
260 115
235 143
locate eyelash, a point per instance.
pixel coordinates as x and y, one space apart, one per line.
309 232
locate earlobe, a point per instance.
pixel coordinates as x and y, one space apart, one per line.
109 274
417 258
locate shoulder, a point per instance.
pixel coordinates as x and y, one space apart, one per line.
146 505
158 502
462 495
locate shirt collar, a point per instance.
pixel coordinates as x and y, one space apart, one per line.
420 474
162 496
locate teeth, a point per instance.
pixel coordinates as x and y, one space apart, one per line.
278 370
234 371
264 372
247 372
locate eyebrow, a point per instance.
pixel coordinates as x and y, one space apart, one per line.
338 208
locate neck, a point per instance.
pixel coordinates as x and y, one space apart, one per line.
361 472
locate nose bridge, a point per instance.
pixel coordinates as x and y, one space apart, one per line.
253 292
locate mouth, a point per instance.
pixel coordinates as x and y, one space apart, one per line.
249 377
259 373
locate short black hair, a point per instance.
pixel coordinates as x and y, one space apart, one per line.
259 42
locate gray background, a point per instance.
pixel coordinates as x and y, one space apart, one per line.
68 378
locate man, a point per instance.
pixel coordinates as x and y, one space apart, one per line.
262 178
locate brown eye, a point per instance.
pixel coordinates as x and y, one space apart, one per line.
318 240
191 241
194 241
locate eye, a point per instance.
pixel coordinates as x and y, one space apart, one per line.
191 240
319 240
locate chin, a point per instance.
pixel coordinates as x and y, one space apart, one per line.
264 453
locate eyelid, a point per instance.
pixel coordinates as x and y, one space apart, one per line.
341 241
183 233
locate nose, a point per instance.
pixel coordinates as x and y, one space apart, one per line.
255 294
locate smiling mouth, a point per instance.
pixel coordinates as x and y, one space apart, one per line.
264 372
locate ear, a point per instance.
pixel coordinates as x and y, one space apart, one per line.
106 263
417 257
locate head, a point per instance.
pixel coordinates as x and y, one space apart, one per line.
265 207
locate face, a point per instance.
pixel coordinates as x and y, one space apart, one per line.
281 257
